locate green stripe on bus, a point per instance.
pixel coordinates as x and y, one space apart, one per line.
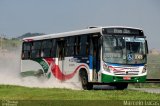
44 65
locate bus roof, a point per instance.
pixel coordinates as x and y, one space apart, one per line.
71 33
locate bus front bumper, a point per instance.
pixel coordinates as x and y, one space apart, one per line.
129 79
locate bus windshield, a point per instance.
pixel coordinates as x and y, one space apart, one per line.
124 50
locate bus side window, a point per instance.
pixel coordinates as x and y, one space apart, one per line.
54 48
84 47
26 50
70 46
36 49
46 48
67 47
77 45
60 49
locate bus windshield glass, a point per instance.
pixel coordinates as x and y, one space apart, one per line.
124 50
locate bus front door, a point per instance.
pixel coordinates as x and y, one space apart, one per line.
95 57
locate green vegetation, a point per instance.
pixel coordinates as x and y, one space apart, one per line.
8 92
9 44
153 66
144 85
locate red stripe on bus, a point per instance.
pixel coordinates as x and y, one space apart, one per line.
58 73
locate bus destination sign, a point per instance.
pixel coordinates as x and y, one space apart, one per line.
121 31
124 31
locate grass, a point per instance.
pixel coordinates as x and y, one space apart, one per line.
153 66
145 85
24 96
8 92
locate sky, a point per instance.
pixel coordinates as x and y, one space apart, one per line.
18 17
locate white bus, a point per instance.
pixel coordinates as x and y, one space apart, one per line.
113 55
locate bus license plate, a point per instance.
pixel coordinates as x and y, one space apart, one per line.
126 78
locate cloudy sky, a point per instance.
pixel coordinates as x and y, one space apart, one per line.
51 16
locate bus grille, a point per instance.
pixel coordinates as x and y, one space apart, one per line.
126 72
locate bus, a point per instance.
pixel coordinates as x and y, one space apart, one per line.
114 55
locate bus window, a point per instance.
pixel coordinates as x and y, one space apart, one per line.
77 45
135 47
36 49
67 47
84 49
46 53
46 48
54 48
70 46
36 45
26 50
35 53
26 46
47 44
60 49
25 54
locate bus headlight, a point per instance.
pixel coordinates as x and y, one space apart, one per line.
106 68
144 69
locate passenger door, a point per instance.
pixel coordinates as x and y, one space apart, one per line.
95 55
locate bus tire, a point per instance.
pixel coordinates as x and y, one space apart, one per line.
84 80
121 86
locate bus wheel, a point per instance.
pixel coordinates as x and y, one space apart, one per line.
121 86
84 80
